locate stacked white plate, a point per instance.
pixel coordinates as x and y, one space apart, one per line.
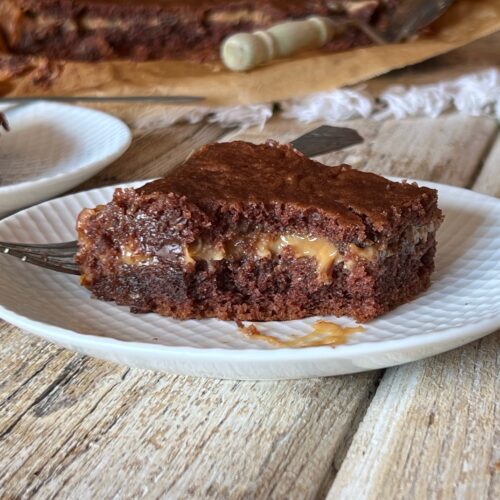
463 304
53 147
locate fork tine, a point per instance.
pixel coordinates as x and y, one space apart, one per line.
64 265
66 268
64 244
64 252
42 246
57 256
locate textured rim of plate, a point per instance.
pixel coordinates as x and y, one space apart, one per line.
461 335
45 179
62 336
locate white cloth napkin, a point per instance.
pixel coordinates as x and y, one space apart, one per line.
472 94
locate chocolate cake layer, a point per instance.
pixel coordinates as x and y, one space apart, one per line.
155 29
260 232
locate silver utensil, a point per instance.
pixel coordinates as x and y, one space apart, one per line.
60 257
4 124
170 99
245 51
407 19
325 139
55 256
412 15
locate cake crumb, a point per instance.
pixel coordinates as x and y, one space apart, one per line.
249 330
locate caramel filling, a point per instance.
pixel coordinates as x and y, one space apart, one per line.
323 251
367 253
89 22
325 333
262 246
131 257
238 16
14 21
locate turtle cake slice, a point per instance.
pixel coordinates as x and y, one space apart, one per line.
261 232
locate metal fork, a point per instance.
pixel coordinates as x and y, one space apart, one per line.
61 256
407 19
55 256
4 124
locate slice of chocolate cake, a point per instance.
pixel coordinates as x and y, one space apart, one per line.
156 29
261 232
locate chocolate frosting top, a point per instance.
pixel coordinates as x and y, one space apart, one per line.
239 172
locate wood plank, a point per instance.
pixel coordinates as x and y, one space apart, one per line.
154 152
79 424
179 436
281 426
432 428
448 149
430 431
487 181
23 365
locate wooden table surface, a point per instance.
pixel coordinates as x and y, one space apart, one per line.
76 427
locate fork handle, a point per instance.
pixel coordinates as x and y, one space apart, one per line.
245 51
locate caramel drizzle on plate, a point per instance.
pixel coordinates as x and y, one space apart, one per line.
325 333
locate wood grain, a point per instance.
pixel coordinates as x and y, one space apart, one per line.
488 180
267 439
449 149
76 427
154 152
432 428
430 431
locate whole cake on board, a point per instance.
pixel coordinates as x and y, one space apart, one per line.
155 29
261 232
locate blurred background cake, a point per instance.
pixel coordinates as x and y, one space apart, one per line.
92 30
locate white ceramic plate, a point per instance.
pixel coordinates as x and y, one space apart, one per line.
462 305
53 147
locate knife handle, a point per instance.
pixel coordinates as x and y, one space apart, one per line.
245 51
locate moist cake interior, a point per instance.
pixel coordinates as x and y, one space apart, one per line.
260 232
